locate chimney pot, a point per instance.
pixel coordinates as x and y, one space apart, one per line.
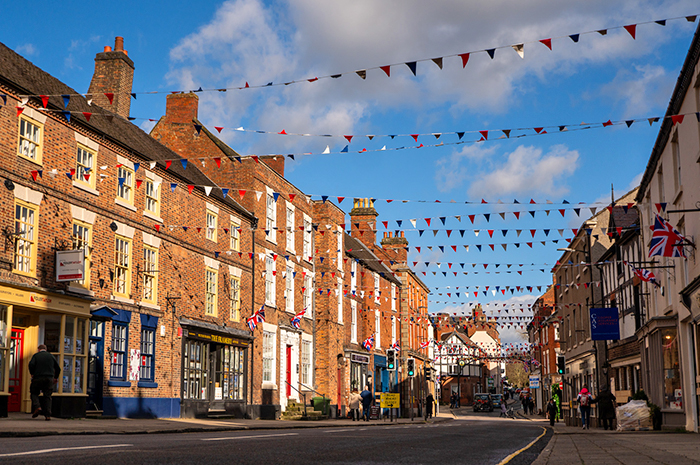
108 48
119 44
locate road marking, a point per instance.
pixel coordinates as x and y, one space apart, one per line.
62 449
250 437
514 454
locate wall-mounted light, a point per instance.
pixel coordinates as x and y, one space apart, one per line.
9 185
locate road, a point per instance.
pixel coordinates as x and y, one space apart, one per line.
469 439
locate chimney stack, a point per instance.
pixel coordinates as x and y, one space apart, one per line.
114 75
363 221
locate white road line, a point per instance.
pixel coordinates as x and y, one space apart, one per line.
250 437
46 451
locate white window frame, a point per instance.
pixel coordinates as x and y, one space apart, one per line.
212 222
308 296
34 140
270 281
289 287
339 283
306 354
353 321
308 245
235 243
270 216
235 297
150 273
289 233
122 266
339 241
125 192
269 352
393 297
393 329
377 329
25 263
211 287
376 288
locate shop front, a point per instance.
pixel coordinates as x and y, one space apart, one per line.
360 376
28 318
214 370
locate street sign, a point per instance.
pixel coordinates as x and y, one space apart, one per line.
534 382
490 382
70 265
390 400
605 324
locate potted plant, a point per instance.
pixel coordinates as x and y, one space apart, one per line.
656 416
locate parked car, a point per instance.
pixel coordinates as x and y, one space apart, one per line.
497 400
483 402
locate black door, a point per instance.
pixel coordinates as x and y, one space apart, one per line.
95 365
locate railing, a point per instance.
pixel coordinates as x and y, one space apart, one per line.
304 394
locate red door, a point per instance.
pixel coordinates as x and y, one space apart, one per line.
16 345
289 371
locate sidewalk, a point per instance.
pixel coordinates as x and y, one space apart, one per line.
23 425
573 445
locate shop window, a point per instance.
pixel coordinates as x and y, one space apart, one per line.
230 363
235 298
152 204
25 239
148 345
195 375
235 236
211 281
4 341
68 345
82 239
120 338
673 398
30 132
212 225
125 184
122 266
306 363
150 274
85 167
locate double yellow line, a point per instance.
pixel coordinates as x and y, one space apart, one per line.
514 454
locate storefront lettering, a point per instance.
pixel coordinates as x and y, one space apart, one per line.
29 299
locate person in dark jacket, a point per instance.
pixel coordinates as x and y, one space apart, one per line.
552 411
606 407
429 400
367 399
44 370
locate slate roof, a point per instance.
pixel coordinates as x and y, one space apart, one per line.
358 250
25 78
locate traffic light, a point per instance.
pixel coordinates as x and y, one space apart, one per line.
411 367
391 359
561 364
428 373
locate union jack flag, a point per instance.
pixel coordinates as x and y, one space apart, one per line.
255 318
369 343
665 239
396 346
296 321
645 275
423 345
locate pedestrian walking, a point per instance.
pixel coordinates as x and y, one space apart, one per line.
354 404
584 402
504 409
453 400
429 400
552 411
366 402
532 406
607 403
44 370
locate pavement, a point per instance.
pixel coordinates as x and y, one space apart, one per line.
23 425
573 445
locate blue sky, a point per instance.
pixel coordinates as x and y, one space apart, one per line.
181 45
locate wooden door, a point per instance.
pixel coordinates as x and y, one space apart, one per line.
16 347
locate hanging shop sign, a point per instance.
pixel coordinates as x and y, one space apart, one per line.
70 265
605 324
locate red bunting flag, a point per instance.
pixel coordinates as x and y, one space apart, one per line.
241 193
34 173
168 163
547 42
246 85
349 138
632 29
484 134
257 160
386 69
44 100
427 220
218 162
138 182
87 115
465 59
157 227
340 199
313 79
110 97
219 128
190 188
607 123
19 110
471 217
677 119
283 132
415 137
538 130
291 197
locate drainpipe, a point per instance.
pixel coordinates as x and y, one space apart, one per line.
252 306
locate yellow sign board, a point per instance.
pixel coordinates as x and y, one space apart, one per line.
390 400
41 301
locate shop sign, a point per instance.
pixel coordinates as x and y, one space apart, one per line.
535 382
605 324
24 298
390 400
490 382
357 358
70 265
229 341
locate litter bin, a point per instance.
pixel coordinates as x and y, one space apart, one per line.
321 404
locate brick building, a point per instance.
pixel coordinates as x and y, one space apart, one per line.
543 332
156 322
282 248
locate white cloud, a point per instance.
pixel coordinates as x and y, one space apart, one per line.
641 89
26 49
527 170
453 171
256 42
78 48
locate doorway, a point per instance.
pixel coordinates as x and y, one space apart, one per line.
95 365
289 371
16 348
